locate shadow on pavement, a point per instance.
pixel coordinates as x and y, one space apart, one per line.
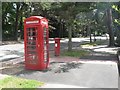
55 67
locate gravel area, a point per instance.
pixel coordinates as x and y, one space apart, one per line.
57 67
54 67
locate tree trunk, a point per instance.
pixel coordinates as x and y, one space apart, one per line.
94 36
89 32
20 31
16 21
0 23
60 29
70 39
110 28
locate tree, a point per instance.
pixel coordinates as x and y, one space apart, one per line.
116 22
62 11
68 12
8 15
19 6
0 23
110 27
106 8
16 20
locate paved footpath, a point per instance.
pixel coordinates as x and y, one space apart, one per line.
90 74
98 70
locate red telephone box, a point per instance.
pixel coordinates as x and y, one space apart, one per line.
36 43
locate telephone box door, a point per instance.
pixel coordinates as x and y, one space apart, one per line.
31 47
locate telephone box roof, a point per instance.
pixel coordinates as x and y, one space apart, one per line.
38 17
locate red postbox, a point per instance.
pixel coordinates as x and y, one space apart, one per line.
57 46
36 43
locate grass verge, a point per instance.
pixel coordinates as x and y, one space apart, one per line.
15 82
94 43
75 53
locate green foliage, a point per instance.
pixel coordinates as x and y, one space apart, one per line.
62 17
9 18
58 13
116 17
75 53
116 9
14 82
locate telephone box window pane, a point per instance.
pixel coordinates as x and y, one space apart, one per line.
31 38
45 38
31 47
33 59
31 52
31 34
31 43
31 29
45 48
45 34
45 29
